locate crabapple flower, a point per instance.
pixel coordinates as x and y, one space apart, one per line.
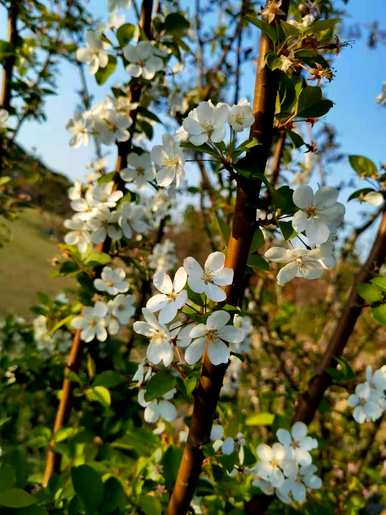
156 409
78 234
240 116
4 115
103 195
79 127
160 348
298 443
103 224
275 464
168 159
113 281
212 278
206 122
95 53
133 219
172 297
369 398
144 60
298 263
139 169
122 308
163 258
92 323
142 374
214 335
226 445
319 212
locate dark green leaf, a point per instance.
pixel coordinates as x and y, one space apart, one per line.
266 28
114 495
150 505
287 230
257 240
126 33
108 378
158 385
256 261
88 486
311 103
170 462
176 24
296 139
360 193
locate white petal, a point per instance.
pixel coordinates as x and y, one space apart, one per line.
218 320
167 313
284 437
299 430
162 282
224 277
180 279
287 273
218 352
167 410
303 196
157 302
195 350
214 262
231 334
214 292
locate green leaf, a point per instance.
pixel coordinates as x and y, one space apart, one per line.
283 199
108 378
126 33
170 462
67 268
257 240
64 433
343 372
260 419
88 486
16 498
296 139
158 385
7 477
379 313
61 323
99 394
321 25
266 28
103 74
287 230
369 292
114 496
6 49
150 505
256 261
380 282
176 24
363 166
360 193
139 439
311 103
93 259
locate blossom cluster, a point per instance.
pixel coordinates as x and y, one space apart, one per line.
317 218
369 399
105 318
286 467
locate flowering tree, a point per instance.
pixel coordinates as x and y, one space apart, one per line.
186 385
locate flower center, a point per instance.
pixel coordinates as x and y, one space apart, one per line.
171 162
208 127
311 211
207 277
211 336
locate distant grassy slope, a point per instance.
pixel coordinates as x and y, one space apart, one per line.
25 263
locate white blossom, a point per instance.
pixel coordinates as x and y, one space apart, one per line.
210 280
92 323
275 464
240 116
214 335
78 234
80 128
103 224
122 308
319 213
369 398
160 348
156 409
133 219
169 162
144 60
163 257
172 297
112 281
298 443
298 263
139 169
206 122
94 54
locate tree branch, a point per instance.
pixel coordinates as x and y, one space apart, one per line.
208 389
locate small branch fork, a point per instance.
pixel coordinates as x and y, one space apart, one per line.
53 460
244 221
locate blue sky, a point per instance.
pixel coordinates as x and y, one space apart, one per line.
360 122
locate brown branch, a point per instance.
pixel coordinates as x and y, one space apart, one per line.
309 402
277 157
208 389
10 60
312 396
74 359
